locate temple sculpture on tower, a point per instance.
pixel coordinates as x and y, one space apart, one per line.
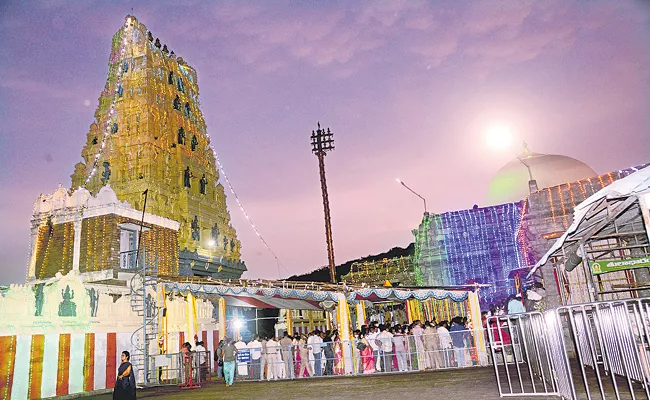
149 134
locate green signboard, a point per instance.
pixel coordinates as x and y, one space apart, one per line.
605 266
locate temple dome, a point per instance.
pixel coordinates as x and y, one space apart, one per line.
510 183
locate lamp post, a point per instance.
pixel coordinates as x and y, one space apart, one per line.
415 193
322 142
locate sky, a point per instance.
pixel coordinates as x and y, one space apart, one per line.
409 89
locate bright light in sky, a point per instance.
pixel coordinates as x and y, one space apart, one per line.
238 323
499 137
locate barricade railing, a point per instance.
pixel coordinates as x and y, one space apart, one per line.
182 369
598 350
379 355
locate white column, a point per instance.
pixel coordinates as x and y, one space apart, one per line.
76 252
34 247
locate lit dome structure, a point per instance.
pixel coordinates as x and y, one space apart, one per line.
510 183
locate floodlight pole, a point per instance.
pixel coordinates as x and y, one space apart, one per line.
322 142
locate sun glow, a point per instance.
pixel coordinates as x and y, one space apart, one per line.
499 137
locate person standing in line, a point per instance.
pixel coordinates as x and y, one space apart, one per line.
431 345
303 352
242 366
187 362
286 347
386 349
265 362
218 360
202 358
272 368
419 347
459 335
374 344
515 306
328 351
255 347
315 342
399 341
446 344
125 383
229 355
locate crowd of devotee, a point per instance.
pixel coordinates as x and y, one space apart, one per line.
375 348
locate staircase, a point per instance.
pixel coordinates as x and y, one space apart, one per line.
143 303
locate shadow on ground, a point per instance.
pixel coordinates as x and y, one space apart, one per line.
471 383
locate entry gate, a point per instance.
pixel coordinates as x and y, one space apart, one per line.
596 350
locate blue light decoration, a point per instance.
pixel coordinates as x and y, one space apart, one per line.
479 245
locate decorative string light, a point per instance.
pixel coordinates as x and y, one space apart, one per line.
112 116
241 208
478 245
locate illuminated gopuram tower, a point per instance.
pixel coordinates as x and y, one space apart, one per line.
149 133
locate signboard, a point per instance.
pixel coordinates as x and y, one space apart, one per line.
244 356
605 266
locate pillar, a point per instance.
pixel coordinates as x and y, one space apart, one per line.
343 316
76 249
311 320
477 326
222 317
361 314
288 321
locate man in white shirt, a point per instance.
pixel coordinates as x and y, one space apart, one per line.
255 348
275 368
242 367
386 349
445 343
315 342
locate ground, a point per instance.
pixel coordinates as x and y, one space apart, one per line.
471 383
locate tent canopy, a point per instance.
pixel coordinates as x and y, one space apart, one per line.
300 296
593 214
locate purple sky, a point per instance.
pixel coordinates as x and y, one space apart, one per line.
409 89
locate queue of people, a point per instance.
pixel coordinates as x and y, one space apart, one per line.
374 348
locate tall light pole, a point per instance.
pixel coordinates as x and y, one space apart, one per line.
322 142
415 193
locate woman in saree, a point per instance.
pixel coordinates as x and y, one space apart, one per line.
367 359
338 355
125 384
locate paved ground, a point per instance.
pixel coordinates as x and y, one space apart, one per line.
471 383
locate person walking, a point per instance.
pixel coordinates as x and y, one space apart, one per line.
125 383
229 355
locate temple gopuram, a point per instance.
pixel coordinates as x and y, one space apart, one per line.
149 134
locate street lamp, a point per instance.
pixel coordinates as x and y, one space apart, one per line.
322 142
413 191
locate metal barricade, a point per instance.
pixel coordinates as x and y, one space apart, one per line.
599 350
178 369
396 354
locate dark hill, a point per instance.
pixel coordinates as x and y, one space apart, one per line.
323 274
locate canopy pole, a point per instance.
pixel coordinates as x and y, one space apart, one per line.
477 326
343 316
222 318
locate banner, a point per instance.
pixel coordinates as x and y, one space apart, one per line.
605 266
